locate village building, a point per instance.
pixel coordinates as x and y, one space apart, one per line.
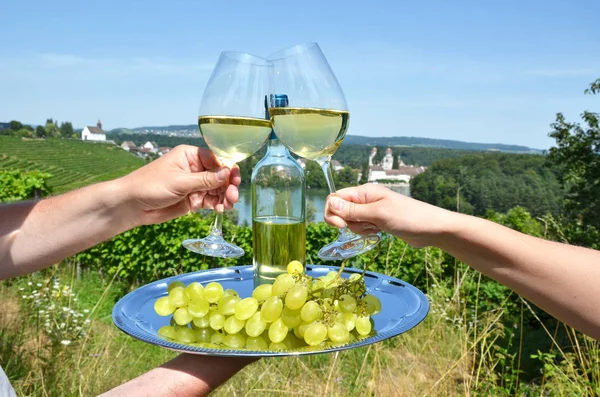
386 172
128 145
152 146
93 133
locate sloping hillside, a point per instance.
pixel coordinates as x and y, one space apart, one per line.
72 163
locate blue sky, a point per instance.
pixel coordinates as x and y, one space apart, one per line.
481 71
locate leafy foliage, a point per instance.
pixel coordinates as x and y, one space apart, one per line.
476 183
576 155
16 185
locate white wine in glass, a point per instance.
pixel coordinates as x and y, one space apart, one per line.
313 124
232 123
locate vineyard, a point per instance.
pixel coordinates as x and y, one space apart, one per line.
72 163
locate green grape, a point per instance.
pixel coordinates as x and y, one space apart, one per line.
271 309
217 338
363 325
182 316
227 304
327 293
338 333
295 267
292 342
291 318
178 297
256 343
283 283
262 292
213 292
201 322
315 334
216 320
302 329
296 297
195 290
163 306
185 335
348 319
297 332
198 307
175 284
317 287
235 341
372 304
311 312
347 303
167 331
255 325
245 308
204 335
354 277
230 292
277 346
233 325
277 331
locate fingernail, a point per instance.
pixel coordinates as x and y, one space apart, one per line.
337 203
222 174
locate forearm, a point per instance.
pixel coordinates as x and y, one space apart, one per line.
185 375
34 235
559 278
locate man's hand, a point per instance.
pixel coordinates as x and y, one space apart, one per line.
184 180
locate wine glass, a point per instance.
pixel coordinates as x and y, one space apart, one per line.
313 123
233 124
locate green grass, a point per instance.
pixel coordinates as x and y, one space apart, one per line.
71 162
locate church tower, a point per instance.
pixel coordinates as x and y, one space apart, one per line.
388 160
372 156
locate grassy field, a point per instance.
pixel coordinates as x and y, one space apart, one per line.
71 162
448 354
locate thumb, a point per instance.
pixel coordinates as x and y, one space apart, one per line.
205 180
350 211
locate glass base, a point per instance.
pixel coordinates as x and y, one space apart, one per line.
348 245
213 245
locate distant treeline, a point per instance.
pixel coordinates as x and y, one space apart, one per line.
479 182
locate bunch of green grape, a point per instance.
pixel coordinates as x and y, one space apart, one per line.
294 312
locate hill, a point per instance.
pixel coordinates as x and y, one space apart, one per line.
437 143
191 130
72 163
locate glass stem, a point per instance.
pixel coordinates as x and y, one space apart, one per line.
217 228
345 233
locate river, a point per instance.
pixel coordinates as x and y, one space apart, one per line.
316 196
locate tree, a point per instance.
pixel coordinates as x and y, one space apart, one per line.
396 163
346 177
40 131
364 176
66 129
576 155
15 125
315 178
51 129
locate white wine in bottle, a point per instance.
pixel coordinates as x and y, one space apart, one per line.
278 210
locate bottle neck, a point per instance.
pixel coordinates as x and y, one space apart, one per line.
276 148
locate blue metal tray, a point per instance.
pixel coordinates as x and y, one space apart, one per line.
403 307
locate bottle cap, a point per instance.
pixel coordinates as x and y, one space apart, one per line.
279 101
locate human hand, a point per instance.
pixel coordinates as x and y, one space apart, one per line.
184 180
372 208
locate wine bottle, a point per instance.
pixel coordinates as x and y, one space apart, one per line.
278 208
